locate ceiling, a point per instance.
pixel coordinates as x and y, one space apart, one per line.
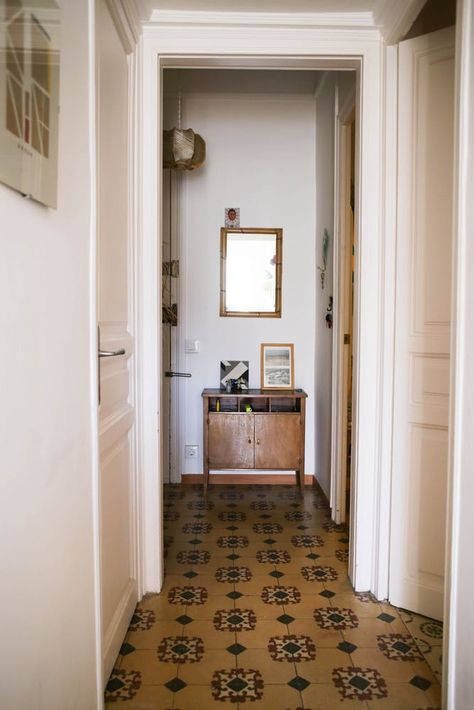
295 6
224 81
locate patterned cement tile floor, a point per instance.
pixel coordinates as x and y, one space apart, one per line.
257 611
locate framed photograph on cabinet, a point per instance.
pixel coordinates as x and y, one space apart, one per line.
276 366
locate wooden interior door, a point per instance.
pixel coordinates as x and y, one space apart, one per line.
343 316
278 441
231 441
423 315
115 309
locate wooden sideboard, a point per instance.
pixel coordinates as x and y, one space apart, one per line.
254 429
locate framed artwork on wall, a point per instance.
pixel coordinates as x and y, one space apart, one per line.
29 98
277 366
232 216
251 272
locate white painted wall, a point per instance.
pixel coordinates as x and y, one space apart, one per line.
46 498
260 157
325 118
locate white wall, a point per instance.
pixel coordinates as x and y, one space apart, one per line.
46 505
260 157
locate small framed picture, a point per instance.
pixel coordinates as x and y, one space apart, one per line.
232 217
276 366
234 373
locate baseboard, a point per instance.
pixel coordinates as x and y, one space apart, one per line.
285 479
118 627
317 485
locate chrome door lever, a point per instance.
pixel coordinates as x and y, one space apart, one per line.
101 354
111 353
178 374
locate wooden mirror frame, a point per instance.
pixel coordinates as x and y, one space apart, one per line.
278 272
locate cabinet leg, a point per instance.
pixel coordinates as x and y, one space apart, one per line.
300 479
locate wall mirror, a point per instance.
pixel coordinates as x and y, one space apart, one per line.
251 272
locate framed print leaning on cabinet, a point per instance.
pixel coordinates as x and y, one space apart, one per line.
276 366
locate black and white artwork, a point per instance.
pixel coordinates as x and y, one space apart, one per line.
235 372
277 370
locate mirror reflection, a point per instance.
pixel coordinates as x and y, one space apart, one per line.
251 272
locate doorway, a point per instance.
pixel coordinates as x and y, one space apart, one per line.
187 49
234 110
344 279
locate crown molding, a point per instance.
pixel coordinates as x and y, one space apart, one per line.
128 17
395 17
342 20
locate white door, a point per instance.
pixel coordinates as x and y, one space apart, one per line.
115 315
422 335
342 337
171 319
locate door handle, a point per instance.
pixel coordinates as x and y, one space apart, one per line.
101 354
178 374
111 353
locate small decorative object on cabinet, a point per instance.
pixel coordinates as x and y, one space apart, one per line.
235 370
260 430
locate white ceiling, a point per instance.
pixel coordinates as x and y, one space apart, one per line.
219 81
267 5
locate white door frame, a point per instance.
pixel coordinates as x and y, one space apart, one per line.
458 679
260 47
342 304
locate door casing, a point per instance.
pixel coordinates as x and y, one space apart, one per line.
214 47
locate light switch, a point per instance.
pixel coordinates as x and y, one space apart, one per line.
191 346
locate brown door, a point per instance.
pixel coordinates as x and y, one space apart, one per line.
277 441
231 440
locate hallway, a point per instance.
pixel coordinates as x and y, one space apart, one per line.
257 610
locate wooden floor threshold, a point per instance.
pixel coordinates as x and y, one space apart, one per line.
247 478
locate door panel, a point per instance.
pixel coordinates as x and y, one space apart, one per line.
171 315
422 337
277 441
231 440
117 406
343 320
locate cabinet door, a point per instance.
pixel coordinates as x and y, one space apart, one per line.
231 440
278 440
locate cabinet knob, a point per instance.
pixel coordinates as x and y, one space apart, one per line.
258 441
250 441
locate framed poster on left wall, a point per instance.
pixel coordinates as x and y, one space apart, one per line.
29 97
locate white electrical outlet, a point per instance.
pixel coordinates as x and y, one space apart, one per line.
191 451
